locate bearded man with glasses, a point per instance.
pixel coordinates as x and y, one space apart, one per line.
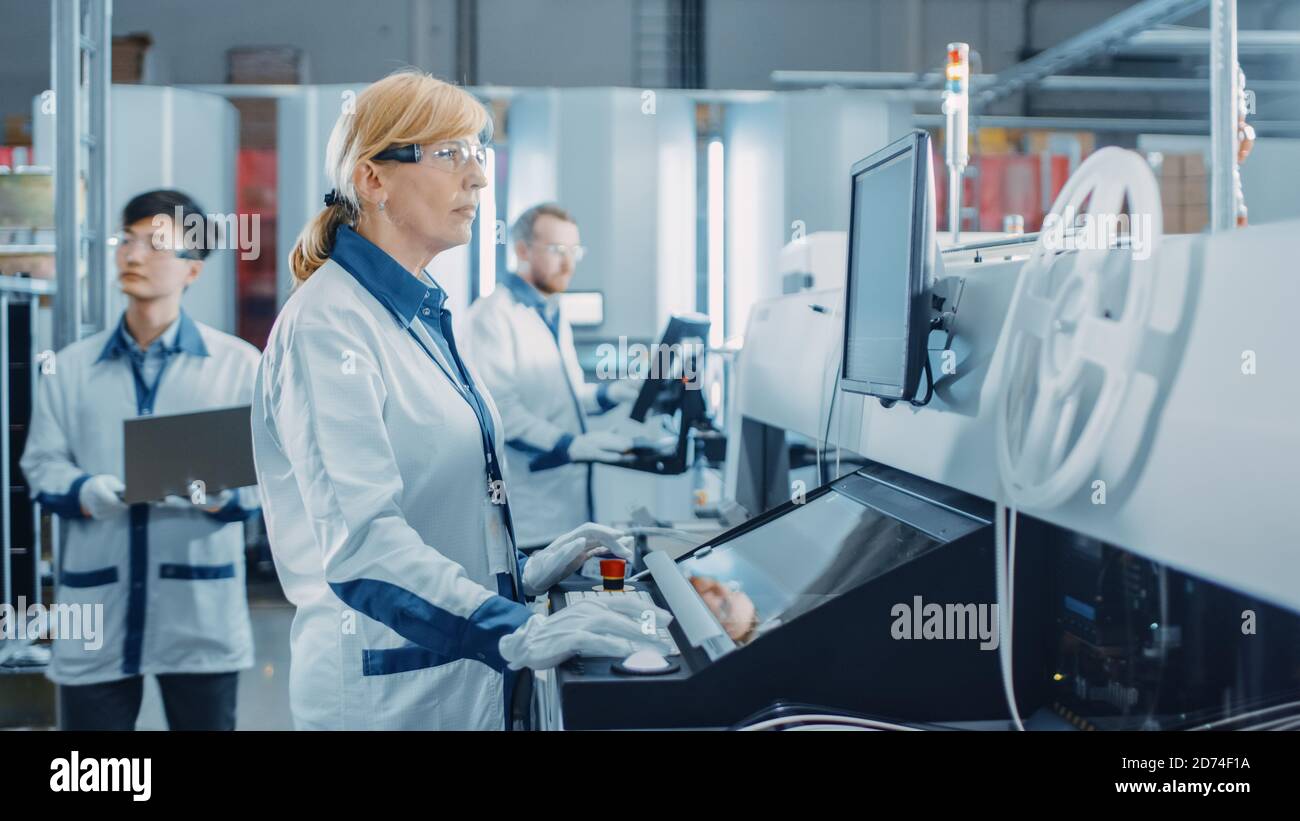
522 345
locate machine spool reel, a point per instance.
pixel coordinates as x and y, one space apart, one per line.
1052 422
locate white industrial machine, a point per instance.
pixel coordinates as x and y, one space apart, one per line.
1200 456
1087 433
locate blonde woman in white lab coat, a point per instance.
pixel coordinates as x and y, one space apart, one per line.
378 455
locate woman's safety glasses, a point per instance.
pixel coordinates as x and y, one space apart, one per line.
449 155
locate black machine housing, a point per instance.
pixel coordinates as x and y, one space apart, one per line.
1103 638
840 654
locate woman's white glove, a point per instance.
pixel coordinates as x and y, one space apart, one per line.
99 497
613 626
562 557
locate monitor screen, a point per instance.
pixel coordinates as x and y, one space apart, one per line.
767 576
675 361
886 271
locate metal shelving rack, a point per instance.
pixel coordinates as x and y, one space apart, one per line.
81 68
20 564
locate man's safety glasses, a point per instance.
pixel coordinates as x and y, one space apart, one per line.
573 252
157 244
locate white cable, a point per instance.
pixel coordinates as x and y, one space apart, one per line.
1004 578
1011 568
821 399
839 429
817 442
1283 723
832 719
1234 719
664 532
831 728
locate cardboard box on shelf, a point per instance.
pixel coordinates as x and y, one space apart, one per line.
262 65
1193 165
1037 142
1184 192
36 266
129 52
266 65
257 122
26 201
1184 165
1173 220
996 141
1186 219
18 129
1195 218
1195 191
1171 187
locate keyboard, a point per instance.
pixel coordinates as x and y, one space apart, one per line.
574 596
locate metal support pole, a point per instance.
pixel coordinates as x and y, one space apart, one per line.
81 164
98 218
954 202
467 42
1224 111
6 539
65 56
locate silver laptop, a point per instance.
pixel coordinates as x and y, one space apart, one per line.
165 455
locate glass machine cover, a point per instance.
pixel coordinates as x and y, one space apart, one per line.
765 577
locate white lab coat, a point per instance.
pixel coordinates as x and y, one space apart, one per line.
544 401
375 495
172 592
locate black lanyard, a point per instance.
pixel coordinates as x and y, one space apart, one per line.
496 482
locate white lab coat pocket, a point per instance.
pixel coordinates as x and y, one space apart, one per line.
198 607
459 695
87 618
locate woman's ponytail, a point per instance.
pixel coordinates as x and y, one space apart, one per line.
316 242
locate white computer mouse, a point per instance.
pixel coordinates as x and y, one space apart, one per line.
645 661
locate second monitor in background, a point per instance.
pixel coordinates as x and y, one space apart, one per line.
676 366
673 387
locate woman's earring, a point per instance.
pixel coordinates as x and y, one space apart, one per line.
381 204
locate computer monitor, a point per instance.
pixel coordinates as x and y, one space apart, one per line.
891 261
676 366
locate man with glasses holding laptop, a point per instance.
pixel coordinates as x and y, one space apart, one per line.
167 576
